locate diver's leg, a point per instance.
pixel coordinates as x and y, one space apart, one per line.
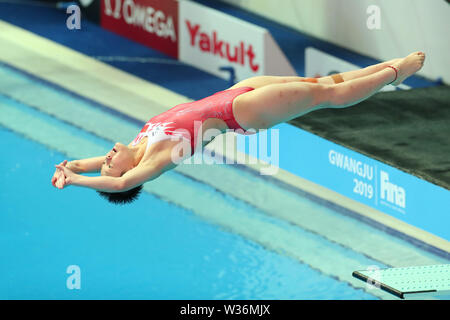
354 74
261 81
276 103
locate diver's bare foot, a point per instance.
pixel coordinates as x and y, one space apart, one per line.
408 66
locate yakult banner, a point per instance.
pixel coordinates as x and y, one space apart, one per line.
153 23
210 39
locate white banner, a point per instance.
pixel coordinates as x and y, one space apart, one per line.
210 39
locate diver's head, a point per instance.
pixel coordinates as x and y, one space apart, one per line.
123 197
118 160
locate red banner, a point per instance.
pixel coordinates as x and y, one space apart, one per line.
153 23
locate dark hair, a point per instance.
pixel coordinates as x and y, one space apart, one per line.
124 197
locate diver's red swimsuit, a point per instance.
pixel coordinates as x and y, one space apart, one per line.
183 116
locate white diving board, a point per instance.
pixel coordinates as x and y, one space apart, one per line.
410 282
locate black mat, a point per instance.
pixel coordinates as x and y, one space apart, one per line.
408 130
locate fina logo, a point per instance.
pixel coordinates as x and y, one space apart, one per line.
391 192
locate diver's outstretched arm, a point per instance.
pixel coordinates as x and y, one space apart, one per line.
146 171
77 166
100 183
86 165
129 180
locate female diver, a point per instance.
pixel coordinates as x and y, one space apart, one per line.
257 103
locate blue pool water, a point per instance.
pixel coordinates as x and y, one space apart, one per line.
151 249
148 250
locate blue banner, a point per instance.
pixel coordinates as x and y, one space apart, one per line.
358 177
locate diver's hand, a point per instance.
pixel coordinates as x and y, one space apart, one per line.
67 174
58 177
